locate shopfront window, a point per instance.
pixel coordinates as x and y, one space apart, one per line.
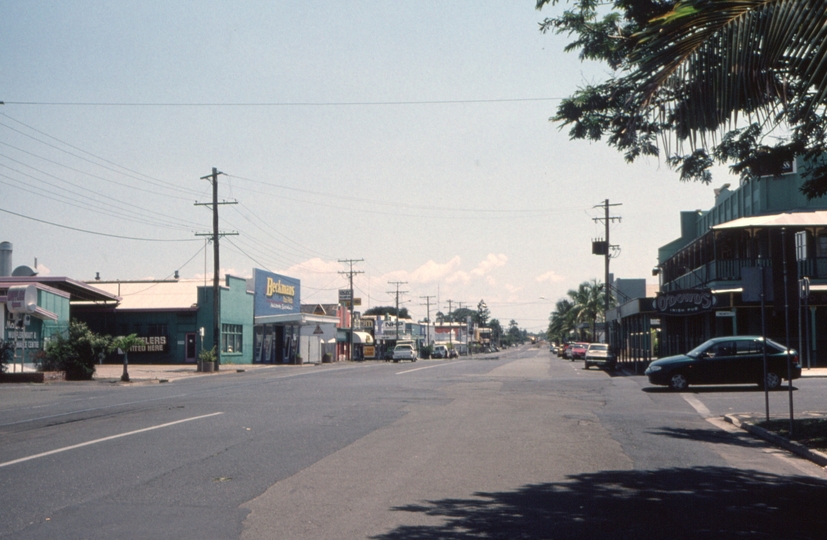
231 338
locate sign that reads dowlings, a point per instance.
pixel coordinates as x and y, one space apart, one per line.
685 302
276 294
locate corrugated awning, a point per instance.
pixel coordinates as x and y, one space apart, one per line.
786 219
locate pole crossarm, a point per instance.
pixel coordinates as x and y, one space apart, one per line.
350 273
607 220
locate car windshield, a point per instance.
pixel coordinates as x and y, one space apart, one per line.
597 347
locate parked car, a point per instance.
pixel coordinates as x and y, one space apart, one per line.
440 351
578 351
565 351
404 352
599 354
726 360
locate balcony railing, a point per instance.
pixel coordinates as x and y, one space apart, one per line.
717 271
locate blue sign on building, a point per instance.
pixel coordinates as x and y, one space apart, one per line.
276 294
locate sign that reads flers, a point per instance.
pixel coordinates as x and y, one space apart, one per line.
151 344
276 294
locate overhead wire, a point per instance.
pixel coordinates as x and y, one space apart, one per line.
146 178
125 207
96 232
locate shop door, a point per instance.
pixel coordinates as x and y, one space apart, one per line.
190 354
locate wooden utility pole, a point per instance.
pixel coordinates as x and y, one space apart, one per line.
397 283
607 255
350 278
216 293
428 319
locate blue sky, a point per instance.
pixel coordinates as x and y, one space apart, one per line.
411 134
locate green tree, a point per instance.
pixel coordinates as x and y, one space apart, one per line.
588 303
686 73
388 310
562 321
514 333
77 352
496 331
482 315
124 343
462 314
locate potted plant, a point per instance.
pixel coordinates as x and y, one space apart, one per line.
206 360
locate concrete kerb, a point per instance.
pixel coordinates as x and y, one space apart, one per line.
746 423
149 373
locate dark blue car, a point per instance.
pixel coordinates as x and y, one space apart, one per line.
726 360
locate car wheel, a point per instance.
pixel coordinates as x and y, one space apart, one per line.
773 381
678 382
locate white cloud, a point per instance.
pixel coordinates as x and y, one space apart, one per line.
432 271
458 277
550 276
489 263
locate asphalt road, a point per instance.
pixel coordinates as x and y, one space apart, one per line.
515 445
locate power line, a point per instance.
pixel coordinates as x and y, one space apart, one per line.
278 103
146 178
94 232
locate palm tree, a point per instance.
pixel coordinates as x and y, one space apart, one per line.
561 321
589 302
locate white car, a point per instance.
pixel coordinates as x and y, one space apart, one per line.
404 352
440 351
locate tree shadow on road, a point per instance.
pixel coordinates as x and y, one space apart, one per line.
677 503
716 436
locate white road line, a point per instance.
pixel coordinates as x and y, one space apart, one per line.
429 367
697 405
87 443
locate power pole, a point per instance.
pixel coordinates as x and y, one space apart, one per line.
216 296
607 254
450 326
350 278
428 320
397 283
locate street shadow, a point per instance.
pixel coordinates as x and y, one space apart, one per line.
677 503
716 436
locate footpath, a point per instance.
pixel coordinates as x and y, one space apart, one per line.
163 373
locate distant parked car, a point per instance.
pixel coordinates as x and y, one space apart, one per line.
440 351
404 352
565 351
726 360
578 351
599 354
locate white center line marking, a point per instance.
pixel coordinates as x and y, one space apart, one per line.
111 437
429 367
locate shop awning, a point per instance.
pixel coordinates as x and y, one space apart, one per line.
362 337
817 218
